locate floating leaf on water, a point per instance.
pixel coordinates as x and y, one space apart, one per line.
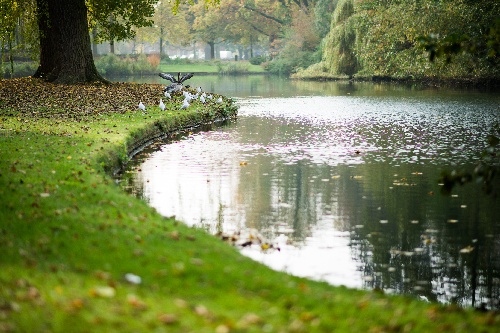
467 249
243 163
463 206
391 269
384 221
414 221
452 221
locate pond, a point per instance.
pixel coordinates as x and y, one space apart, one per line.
343 179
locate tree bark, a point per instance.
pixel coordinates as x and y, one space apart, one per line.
65 48
212 49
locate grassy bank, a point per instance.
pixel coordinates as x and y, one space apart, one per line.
69 235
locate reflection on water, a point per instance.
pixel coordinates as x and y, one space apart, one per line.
347 186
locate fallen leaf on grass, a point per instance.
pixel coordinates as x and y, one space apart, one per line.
135 302
168 318
103 291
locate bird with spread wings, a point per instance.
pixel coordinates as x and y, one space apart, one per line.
176 82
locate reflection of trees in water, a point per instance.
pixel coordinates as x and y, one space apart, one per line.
400 234
437 258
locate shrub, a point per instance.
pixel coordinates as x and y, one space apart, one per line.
21 69
257 60
154 60
112 65
232 67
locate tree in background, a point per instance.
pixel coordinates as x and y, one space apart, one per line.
208 26
115 20
338 53
65 50
169 26
17 30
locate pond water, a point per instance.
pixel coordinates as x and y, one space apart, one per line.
343 178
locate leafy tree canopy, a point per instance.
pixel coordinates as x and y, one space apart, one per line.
116 18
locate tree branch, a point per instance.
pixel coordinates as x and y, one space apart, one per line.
275 19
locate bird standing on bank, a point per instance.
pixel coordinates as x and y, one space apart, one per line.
185 105
142 106
162 105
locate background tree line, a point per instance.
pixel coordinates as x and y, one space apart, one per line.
311 38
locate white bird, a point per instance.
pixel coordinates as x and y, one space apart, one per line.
142 106
185 104
209 96
202 99
198 89
219 100
162 105
167 95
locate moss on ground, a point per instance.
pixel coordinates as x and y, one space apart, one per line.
69 235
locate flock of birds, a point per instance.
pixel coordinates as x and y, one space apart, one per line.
177 86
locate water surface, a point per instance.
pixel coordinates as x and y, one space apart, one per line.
343 178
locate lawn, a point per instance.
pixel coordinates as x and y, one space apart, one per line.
80 255
211 67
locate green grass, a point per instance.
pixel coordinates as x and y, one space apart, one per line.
207 67
69 234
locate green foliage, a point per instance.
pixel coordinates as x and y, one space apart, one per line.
18 30
299 48
115 19
232 67
338 52
289 62
387 38
323 14
21 69
258 60
483 173
487 45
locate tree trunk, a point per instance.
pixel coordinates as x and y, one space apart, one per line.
94 44
212 49
161 43
65 49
